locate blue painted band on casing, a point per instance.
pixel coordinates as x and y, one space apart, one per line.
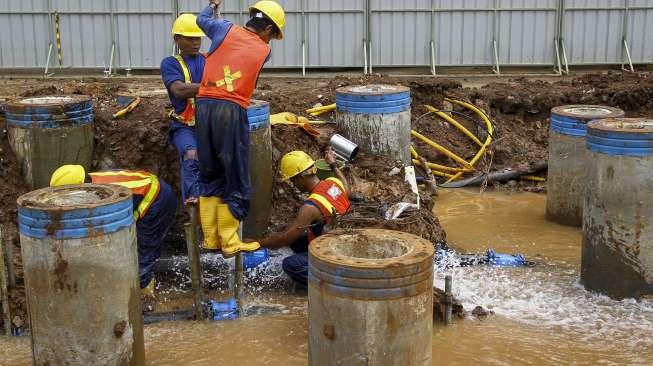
368 282
80 121
76 224
48 115
258 117
343 103
568 126
40 109
357 97
372 110
373 104
620 143
366 293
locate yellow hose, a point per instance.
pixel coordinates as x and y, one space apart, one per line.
534 178
433 166
456 124
488 140
320 110
441 149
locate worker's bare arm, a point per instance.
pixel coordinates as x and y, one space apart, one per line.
307 215
183 90
330 157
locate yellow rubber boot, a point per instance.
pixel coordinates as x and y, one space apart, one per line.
148 291
228 227
209 221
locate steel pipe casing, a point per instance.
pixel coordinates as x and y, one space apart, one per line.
261 169
617 255
50 131
376 118
566 175
370 298
80 263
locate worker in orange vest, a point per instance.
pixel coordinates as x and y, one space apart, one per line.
154 209
327 199
234 62
181 75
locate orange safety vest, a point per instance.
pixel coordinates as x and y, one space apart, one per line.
186 117
331 198
139 182
232 70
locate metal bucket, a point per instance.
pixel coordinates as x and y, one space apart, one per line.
50 131
376 118
261 170
344 149
617 256
370 298
81 275
566 176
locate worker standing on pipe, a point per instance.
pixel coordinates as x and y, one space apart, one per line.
328 198
234 62
181 75
154 202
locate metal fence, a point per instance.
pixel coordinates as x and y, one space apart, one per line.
126 34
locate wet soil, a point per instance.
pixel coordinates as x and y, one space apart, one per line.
518 108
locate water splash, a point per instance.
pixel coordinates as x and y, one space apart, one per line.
551 297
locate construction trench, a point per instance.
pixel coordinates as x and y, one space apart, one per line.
538 314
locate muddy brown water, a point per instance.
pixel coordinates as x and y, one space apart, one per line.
542 314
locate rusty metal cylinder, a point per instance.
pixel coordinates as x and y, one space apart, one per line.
370 299
377 119
617 255
80 263
261 170
566 176
50 131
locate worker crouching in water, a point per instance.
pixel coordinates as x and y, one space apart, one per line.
154 209
328 198
181 75
233 65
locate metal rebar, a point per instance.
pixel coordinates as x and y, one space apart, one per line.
448 298
194 260
9 263
238 284
6 312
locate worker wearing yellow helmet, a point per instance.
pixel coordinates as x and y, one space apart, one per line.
235 59
181 75
328 198
154 204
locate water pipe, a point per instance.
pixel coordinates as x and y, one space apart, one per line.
455 123
441 149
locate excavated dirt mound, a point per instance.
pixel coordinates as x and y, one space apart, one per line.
519 110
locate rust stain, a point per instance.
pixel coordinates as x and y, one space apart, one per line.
393 325
55 223
329 331
61 272
119 328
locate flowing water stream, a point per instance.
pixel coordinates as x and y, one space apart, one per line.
543 316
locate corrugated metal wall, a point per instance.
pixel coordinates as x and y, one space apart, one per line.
340 33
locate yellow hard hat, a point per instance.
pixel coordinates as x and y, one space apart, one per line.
294 163
68 174
186 25
272 10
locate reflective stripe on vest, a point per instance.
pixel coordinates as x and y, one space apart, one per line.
331 198
186 117
139 182
232 70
